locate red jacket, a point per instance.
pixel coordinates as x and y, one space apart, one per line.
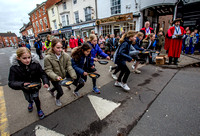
80 39
173 46
143 30
73 43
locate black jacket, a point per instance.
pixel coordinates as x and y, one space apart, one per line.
123 52
20 73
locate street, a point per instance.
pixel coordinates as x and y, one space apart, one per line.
161 102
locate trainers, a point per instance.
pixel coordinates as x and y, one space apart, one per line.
114 76
125 87
110 69
76 94
137 71
133 67
30 107
52 93
118 84
58 103
97 91
41 114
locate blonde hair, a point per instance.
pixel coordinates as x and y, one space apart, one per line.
20 51
92 37
128 34
140 34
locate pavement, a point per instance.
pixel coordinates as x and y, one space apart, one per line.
19 121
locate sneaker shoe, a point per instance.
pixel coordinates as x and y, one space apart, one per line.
41 114
133 67
76 94
97 91
137 71
30 107
114 76
58 103
110 69
118 84
52 93
125 87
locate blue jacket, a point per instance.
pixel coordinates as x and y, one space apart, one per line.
28 46
197 35
80 67
96 50
123 52
137 45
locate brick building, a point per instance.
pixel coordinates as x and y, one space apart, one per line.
39 20
27 33
8 39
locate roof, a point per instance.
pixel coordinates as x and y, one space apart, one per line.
39 5
51 3
8 34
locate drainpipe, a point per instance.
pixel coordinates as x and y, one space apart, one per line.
96 16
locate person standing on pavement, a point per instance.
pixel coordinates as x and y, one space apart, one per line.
82 65
57 65
65 44
79 40
26 69
197 36
122 56
38 46
173 41
73 42
161 41
96 50
147 30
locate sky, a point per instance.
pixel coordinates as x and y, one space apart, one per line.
13 13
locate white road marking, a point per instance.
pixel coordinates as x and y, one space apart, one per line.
43 131
102 106
2 53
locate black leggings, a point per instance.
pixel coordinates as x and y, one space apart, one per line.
57 87
37 103
125 72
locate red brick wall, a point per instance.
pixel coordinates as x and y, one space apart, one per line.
42 16
165 20
8 39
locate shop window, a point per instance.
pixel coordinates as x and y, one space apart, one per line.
76 17
55 25
74 1
115 7
87 14
64 6
63 20
106 29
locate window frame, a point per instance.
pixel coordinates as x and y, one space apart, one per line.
52 11
41 24
63 19
115 7
55 24
88 13
64 4
76 17
74 2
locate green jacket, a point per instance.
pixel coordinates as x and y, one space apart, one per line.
54 67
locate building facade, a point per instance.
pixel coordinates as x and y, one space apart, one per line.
120 15
39 20
54 20
27 33
8 39
77 17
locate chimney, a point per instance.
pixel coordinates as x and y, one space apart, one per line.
37 5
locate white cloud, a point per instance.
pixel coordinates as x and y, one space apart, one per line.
14 13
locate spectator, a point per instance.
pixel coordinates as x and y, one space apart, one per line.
73 42
79 40
161 41
147 30
65 44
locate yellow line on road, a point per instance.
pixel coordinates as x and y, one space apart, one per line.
3 116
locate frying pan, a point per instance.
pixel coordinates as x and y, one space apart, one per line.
66 82
94 75
103 62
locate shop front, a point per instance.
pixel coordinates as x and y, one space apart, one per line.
116 24
65 32
55 33
83 29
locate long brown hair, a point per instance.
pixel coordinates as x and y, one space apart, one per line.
78 52
53 44
128 34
